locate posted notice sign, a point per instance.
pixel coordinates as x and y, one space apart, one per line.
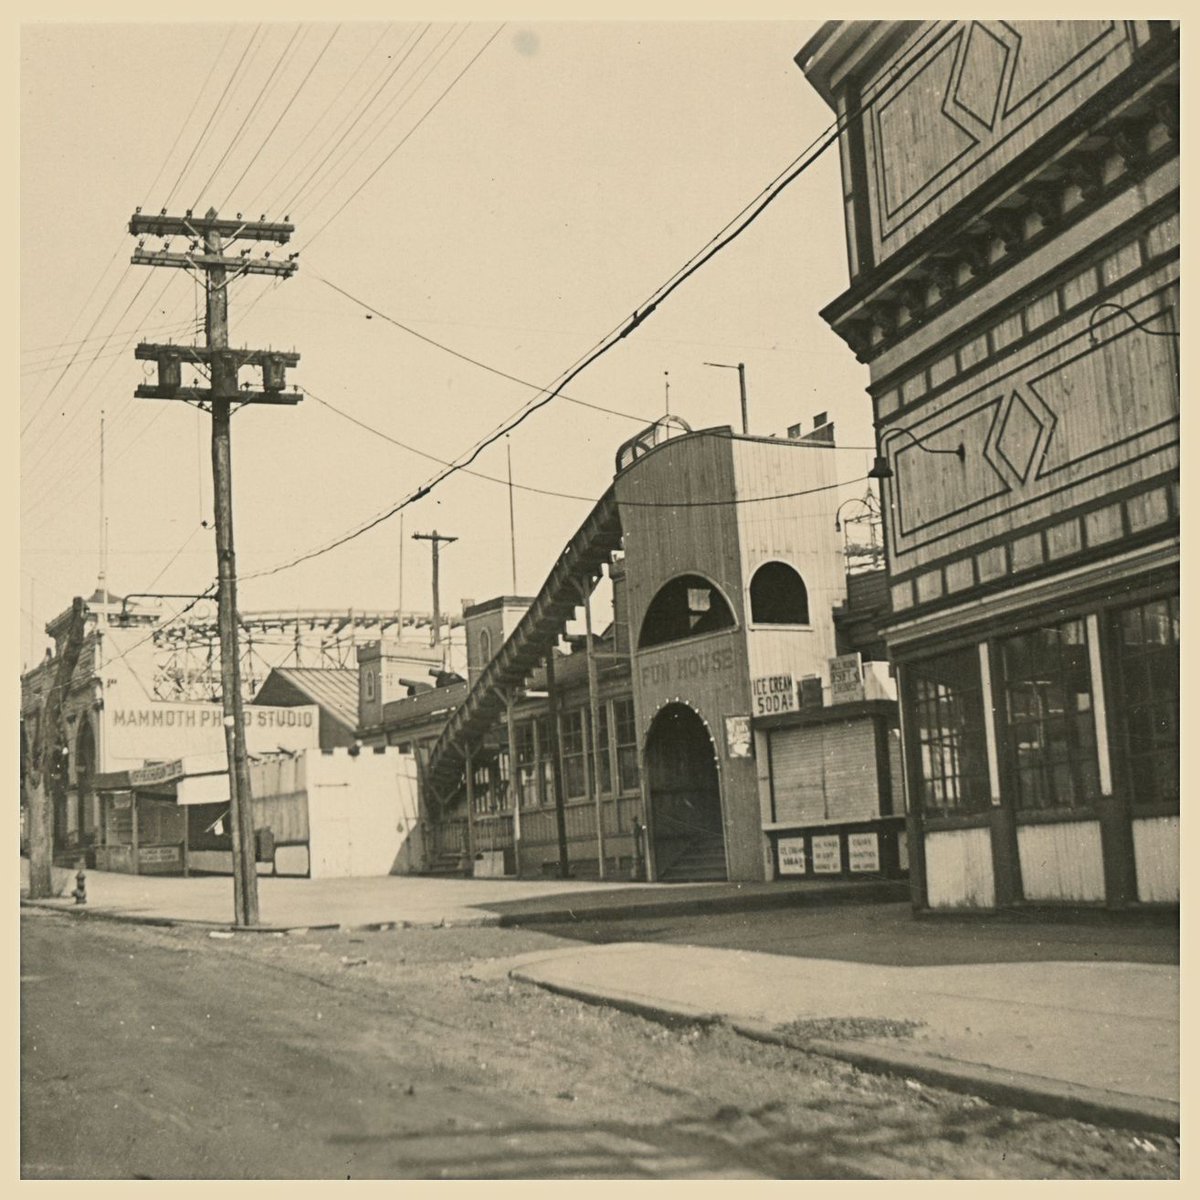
845 679
827 855
864 851
791 856
773 694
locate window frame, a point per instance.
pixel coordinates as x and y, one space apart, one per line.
756 622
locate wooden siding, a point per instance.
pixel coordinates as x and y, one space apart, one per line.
775 525
1061 862
1057 425
1156 859
970 98
958 869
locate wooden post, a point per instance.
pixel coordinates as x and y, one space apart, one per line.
470 768
594 707
560 814
133 818
513 784
224 387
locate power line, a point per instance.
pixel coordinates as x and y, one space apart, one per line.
212 115
283 113
475 362
421 120
249 113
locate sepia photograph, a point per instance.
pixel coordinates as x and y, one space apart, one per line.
599 596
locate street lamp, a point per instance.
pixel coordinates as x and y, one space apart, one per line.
883 469
740 368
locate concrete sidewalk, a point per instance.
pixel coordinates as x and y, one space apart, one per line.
1095 1041
423 901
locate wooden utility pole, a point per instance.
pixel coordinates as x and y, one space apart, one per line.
208 238
560 812
41 821
594 735
436 539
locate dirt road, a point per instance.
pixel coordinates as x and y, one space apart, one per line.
164 1053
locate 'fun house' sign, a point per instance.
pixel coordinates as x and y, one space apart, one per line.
134 733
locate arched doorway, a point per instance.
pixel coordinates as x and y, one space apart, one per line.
687 833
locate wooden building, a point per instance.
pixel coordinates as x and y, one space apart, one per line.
698 736
1011 198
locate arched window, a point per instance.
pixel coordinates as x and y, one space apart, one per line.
369 681
778 596
485 647
686 606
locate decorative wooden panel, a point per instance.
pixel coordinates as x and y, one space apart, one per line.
1058 424
1156 859
969 99
1061 862
958 868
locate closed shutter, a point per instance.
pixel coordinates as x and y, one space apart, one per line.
797 775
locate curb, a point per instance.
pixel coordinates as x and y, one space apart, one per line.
863 894
123 918
1053 1097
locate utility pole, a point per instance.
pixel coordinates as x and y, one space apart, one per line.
740 368
208 238
512 520
436 539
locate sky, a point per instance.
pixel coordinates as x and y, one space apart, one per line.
511 190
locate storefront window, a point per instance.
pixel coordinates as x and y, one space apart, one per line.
545 761
1050 726
527 771
574 770
627 751
602 740
1146 698
951 747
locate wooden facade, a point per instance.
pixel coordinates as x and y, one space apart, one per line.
1012 212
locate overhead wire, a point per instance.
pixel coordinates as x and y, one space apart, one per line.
249 113
387 115
728 234
250 161
420 121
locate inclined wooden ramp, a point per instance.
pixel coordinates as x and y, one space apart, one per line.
531 641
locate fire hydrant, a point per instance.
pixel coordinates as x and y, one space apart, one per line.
80 892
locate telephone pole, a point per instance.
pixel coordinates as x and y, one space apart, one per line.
436 538
208 238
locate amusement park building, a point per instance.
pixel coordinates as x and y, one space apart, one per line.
1011 197
719 727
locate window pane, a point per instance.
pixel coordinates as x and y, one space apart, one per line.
950 748
1049 726
1145 699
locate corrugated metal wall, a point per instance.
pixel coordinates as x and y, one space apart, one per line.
1061 862
1156 859
958 869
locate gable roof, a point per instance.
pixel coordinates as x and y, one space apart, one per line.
333 689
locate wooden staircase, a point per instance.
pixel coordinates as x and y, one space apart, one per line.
698 860
528 645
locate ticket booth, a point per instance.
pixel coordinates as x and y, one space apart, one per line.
143 826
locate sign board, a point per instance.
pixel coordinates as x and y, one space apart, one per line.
791 856
810 692
827 855
737 737
152 729
773 694
166 772
864 851
159 855
845 679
